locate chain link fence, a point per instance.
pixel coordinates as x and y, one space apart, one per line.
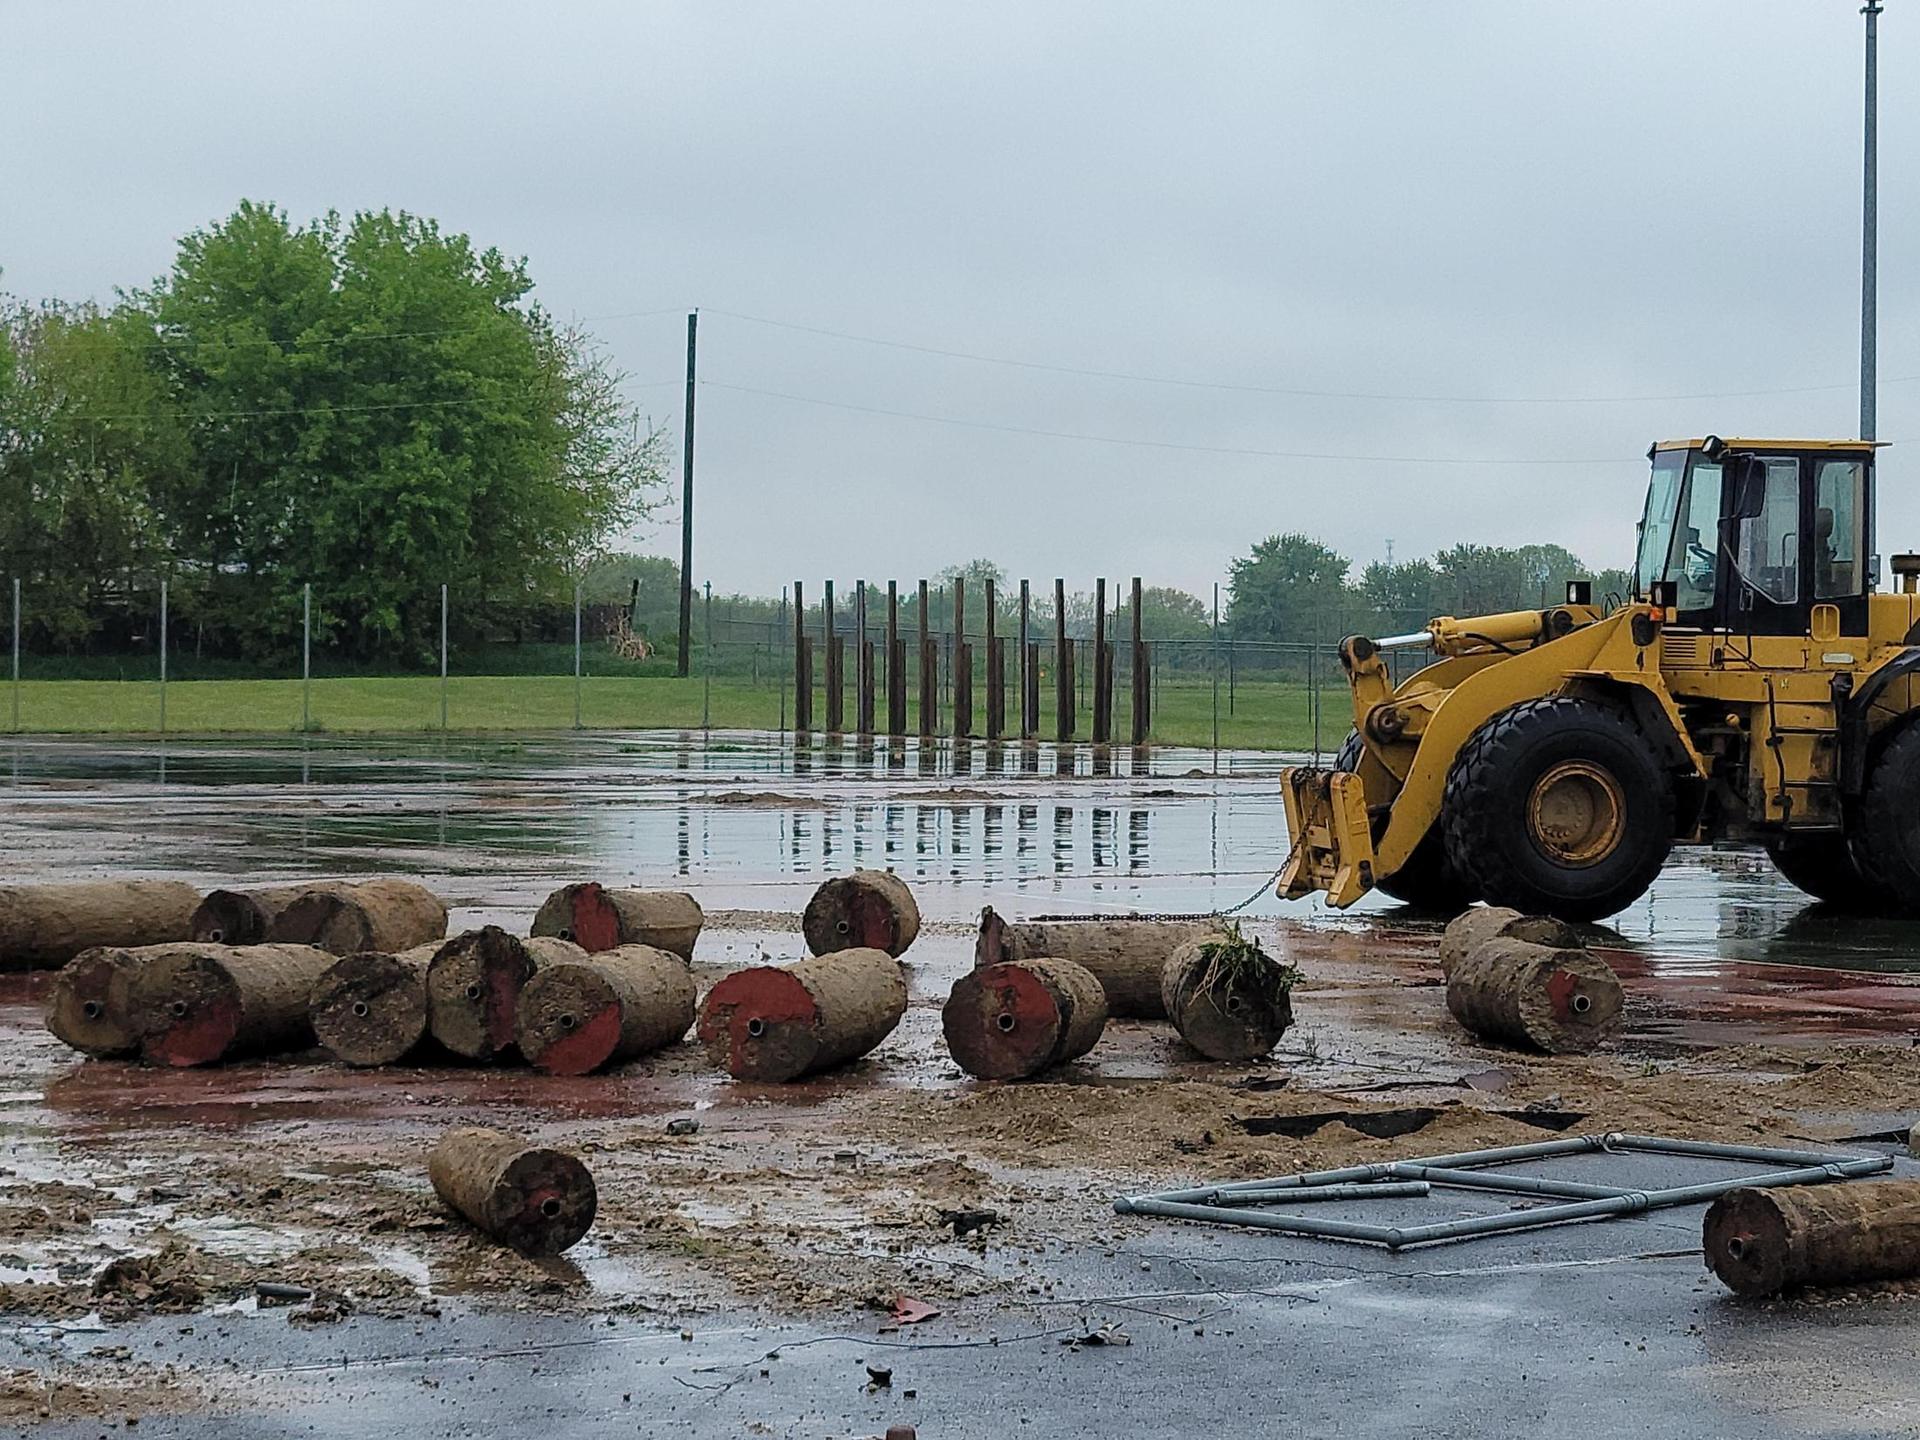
148 667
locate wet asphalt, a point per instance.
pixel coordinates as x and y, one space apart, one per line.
1607 1329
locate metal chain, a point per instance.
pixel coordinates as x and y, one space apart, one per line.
1194 914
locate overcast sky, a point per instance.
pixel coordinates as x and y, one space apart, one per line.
1471 227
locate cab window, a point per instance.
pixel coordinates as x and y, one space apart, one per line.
1696 538
1656 524
1839 525
1768 552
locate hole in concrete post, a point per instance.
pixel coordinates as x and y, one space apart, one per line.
473 991
550 1207
1582 1004
566 934
1235 1004
567 1022
92 1009
756 1027
1005 1022
1736 1247
179 1009
360 1009
842 927
216 935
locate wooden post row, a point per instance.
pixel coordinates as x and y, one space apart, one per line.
962 663
1062 665
929 665
802 666
836 696
862 665
1142 677
996 675
1103 717
896 667
1029 678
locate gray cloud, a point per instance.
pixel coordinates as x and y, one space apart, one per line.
1471 199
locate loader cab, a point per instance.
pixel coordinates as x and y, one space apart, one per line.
1752 534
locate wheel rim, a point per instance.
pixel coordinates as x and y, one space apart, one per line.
1577 813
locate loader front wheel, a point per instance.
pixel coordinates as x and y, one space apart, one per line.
1889 833
1426 881
1823 866
1558 807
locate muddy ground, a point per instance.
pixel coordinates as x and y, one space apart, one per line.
136 1202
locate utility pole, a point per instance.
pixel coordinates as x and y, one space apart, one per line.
686 506
1870 227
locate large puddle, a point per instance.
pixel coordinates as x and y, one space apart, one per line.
751 821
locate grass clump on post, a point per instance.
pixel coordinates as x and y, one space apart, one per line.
1227 997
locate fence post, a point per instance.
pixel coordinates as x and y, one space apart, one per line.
443 658
16 654
896 669
706 663
802 667
1142 676
836 698
1313 698
996 671
960 667
306 658
862 665
1062 665
576 654
1102 716
1029 721
163 657
779 627
929 680
1213 674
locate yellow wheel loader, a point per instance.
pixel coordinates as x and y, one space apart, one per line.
1755 687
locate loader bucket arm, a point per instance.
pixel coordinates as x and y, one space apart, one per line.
1332 842
1335 849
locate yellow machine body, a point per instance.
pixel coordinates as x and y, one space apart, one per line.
1764 735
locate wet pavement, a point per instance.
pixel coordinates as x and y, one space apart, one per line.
755 822
1601 1330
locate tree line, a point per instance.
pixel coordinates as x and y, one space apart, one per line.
370 405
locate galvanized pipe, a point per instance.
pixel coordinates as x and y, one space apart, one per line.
1711 1150
1628 1203
1259 1219
1212 1194
1588 1201
1305 1193
1539 1149
1507 1184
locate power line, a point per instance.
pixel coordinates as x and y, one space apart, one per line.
1296 391
1172 444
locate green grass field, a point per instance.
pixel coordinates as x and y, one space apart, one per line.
1263 716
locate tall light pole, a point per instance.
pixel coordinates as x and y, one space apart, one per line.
1869 228
686 505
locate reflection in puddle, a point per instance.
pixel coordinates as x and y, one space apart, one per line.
754 821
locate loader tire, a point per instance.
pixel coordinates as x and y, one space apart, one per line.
1889 833
1426 881
1558 807
1823 866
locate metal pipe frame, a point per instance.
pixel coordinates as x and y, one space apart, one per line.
1225 1204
